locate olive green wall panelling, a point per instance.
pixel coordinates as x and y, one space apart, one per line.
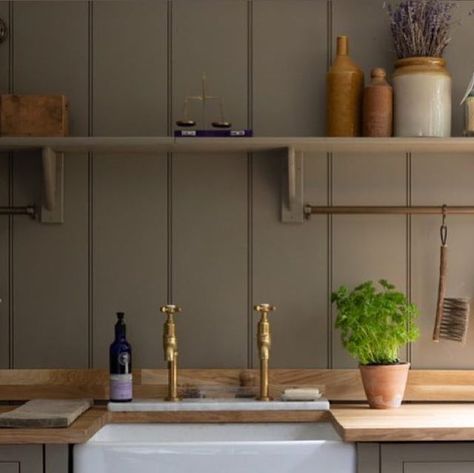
290 267
438 180
210 192
289 261
289 64
50 261
366 24
4 221
129 192
228 249
367 247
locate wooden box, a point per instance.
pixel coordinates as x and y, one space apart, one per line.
34 115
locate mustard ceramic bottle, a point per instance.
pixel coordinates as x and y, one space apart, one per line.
378 106
345 86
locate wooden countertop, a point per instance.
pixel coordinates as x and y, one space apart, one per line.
80 431
409 423
354 423
91 421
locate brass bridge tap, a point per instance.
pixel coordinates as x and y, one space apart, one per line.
170 348
264 343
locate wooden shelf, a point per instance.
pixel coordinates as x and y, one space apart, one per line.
326 145
151 145
291 148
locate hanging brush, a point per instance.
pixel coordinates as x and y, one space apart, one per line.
455 318
452 314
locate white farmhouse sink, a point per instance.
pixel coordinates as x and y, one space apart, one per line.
227 404
215 448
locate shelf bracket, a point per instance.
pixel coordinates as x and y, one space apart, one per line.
52 208
292 207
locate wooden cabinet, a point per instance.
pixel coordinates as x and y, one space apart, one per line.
21 458
427 458
432 457
34 459
445 467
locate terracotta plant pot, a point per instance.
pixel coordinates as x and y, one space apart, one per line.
384 385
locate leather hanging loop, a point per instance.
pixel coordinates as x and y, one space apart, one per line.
444 228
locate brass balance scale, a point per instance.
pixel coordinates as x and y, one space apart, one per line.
220 127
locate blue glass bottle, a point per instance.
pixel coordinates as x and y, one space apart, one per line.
120 364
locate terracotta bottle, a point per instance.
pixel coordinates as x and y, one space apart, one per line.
345 86
378 106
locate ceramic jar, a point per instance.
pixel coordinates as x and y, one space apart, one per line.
469 116
345 86
422 90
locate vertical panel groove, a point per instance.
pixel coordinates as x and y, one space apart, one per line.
169 211
91 67
250 334
90 203
330 202
169 160
11 37
44 457
329 33
330 260
11 291
408 240
90 180
250 63
250 301
169 52
380 456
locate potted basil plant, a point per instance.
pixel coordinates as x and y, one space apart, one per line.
375 322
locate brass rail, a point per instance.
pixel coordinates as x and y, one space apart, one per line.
387 210
28 210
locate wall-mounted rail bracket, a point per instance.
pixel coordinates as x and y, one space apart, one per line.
52 208
292 207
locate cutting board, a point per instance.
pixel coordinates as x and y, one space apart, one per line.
45 413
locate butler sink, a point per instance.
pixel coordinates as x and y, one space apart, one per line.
215 448
227 404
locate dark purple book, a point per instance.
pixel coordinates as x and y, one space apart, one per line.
213 133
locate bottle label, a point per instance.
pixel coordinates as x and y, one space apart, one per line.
120 387
124 360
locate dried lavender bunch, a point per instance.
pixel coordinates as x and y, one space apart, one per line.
421 27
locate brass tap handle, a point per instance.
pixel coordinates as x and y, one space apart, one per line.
170 309
263 335
264 308
170 341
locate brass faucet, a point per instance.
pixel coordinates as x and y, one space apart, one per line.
264 343
170 347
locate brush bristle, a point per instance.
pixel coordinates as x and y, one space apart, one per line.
455 319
